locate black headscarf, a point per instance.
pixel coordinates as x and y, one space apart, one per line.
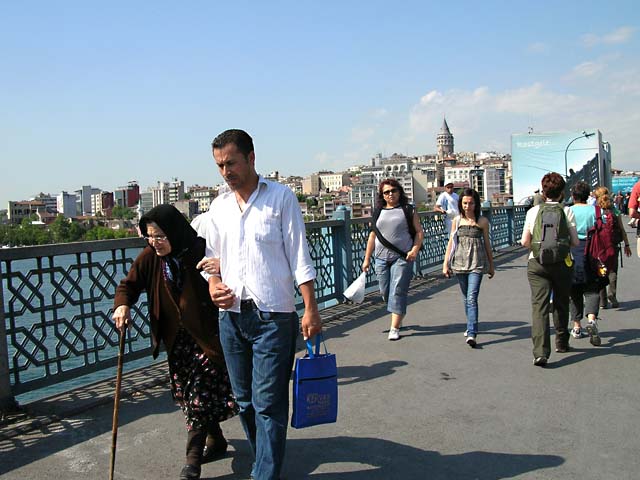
180 234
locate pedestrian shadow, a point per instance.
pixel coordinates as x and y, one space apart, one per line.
351 458
354 374
627 306
620 342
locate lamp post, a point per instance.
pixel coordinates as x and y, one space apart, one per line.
584 135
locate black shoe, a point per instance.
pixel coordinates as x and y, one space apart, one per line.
540 361
563 348
190 472
215 451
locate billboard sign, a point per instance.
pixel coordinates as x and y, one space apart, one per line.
574 155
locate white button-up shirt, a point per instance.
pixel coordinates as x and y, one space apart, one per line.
262 249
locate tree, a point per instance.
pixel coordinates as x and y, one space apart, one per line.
60 229
123 213
301 197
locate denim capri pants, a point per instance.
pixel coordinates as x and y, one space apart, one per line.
394 277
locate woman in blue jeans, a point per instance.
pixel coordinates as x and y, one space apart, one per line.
395 247
469 256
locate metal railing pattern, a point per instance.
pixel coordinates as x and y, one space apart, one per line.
55 320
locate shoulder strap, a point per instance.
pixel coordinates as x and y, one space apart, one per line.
380 237
408 214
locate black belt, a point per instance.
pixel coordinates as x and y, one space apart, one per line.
248 305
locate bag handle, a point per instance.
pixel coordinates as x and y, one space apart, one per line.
319 339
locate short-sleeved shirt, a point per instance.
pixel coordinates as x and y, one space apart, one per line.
635 194
392 224
530 219
585 219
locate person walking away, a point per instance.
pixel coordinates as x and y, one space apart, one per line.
471 258
447 204
394 242
549 232
258 234
183 317
585 286
609 211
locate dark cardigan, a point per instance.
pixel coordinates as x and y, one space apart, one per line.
192 308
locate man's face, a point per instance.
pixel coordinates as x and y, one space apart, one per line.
449 188
236 169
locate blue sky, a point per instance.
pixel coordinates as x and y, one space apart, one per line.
103 93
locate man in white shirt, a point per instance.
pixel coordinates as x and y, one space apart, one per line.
447 203
257 231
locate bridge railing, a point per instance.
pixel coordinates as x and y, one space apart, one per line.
55 320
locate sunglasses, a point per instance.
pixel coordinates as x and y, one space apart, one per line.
390 191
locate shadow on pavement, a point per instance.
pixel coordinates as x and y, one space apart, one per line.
377 459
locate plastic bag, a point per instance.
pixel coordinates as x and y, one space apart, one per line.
355 291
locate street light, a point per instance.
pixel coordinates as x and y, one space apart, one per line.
584 135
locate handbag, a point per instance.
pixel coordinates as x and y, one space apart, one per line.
315 387
454 244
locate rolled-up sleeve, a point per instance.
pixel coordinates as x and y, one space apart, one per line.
295 241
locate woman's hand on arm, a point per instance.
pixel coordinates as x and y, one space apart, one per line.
209 265
122 317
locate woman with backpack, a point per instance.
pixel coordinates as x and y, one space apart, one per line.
620 235
471 257
394 242
585 284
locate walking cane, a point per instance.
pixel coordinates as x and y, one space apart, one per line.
116 403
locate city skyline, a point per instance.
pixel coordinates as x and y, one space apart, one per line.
103 94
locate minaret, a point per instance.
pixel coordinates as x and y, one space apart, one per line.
445 142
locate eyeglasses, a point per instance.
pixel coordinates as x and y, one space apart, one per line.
156 238
390 191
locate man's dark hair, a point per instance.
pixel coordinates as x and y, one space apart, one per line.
241 139
470 192
580 192
553 186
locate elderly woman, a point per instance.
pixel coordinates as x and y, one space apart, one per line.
183 317
394 242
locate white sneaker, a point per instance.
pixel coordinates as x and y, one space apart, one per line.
471 341
394 334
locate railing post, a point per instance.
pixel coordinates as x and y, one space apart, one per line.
342 249
7 401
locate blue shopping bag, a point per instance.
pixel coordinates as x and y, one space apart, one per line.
315 387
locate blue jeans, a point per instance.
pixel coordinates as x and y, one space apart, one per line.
259 349
470 287
393 279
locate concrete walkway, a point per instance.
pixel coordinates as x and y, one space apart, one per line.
424 407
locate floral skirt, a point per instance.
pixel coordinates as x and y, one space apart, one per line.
200 387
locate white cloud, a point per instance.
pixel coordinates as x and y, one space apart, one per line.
587 69
617 36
